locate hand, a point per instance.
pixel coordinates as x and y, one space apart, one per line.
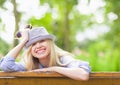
25 36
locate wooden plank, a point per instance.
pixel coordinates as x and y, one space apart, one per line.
56 81
53 74
50 78
105 75
30 74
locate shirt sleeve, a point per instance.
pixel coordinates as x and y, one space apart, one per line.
74 63
8 64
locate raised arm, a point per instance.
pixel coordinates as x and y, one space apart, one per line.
16 50
8 63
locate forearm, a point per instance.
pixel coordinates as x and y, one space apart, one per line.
15 51
74 73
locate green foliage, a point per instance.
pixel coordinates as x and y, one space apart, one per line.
113 35
4 47
101 57
45 21
2 2
60 3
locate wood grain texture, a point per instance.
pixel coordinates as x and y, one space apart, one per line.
50 78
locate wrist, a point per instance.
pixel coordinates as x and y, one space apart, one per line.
56 69
24 41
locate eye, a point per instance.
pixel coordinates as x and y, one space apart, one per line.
34 44
42 40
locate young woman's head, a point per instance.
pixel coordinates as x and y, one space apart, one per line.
41 47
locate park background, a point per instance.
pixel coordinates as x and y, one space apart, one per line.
88 28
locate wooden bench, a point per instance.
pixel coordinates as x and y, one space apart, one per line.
31 78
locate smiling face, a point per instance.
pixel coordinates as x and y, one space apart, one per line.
41 49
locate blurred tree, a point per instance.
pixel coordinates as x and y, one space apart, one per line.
4 47
1 3
3 44
16 15
112 7
1 6
17 20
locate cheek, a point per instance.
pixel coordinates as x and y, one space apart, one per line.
48 47
49 50
32 51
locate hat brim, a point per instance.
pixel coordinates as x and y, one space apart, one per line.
36 39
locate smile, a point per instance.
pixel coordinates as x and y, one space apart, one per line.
41 50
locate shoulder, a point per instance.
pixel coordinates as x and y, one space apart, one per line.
66 58
71 62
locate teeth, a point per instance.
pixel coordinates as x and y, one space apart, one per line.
40 51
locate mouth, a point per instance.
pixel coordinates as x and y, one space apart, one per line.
40 50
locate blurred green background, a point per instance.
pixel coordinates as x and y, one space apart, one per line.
88 28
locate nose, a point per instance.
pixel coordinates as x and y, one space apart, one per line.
37 44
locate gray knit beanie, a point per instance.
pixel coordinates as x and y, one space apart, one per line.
37 34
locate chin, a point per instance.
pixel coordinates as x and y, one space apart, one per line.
42 56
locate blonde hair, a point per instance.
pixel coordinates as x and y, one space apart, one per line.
55 54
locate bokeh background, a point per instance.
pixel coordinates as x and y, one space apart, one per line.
88 28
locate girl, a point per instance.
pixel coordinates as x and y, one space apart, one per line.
43 55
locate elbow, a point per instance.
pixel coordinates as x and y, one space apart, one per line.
83 77
4 68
